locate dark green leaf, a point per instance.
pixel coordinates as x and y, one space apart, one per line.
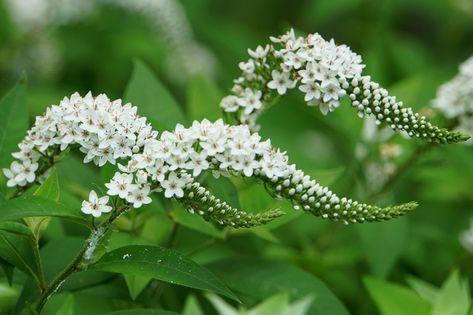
255 280
142 312
35 206
203 99
153 99
13 122
163 264
16 247
392 299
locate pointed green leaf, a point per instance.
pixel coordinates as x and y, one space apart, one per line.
256 279
393 299
49 189
426 291
163 264
34 206
153 99
67 307
16 248
13 122
192 307
136 284
453 298
274 305
203 99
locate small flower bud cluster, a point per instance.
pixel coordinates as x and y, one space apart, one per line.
105 131
324 72
455 98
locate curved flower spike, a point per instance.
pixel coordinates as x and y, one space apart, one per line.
105 131
324 72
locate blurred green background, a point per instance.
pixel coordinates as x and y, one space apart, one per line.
410 47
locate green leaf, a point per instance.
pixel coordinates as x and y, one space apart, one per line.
256 279
195 222
50 188
142 312
224 189
426 291
136 284
222 307
153 99
13 122
34 206
192 307
7 270
300 307
203 99
453 298
383 243
393 299
274 305
67 308
163 264
16 248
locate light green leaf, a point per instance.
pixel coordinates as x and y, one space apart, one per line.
453 298
163 264
13 122
383 243
426 291
203 99
34 206
136 284
50 188
222 307
153 99
256 280
274 305
393 299
300 307
67 308
192 307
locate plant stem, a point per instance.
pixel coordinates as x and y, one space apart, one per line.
79 263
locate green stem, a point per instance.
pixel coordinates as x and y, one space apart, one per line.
79 262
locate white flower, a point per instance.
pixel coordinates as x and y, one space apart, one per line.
139 196
311 90
281 81
95 206
173 186
119 185
230 103
251 100
198 163
259 52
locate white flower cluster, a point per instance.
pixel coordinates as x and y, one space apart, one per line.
321 68
107 131
324 72
102 129
455 98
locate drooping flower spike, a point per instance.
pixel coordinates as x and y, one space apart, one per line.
324 72
109 132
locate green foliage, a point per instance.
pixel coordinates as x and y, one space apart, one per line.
153 99
163 264
13 122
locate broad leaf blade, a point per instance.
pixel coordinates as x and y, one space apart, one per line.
34 206
203 99
49 189
13 122
163 264
392 299
453 298
153 99
259 279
